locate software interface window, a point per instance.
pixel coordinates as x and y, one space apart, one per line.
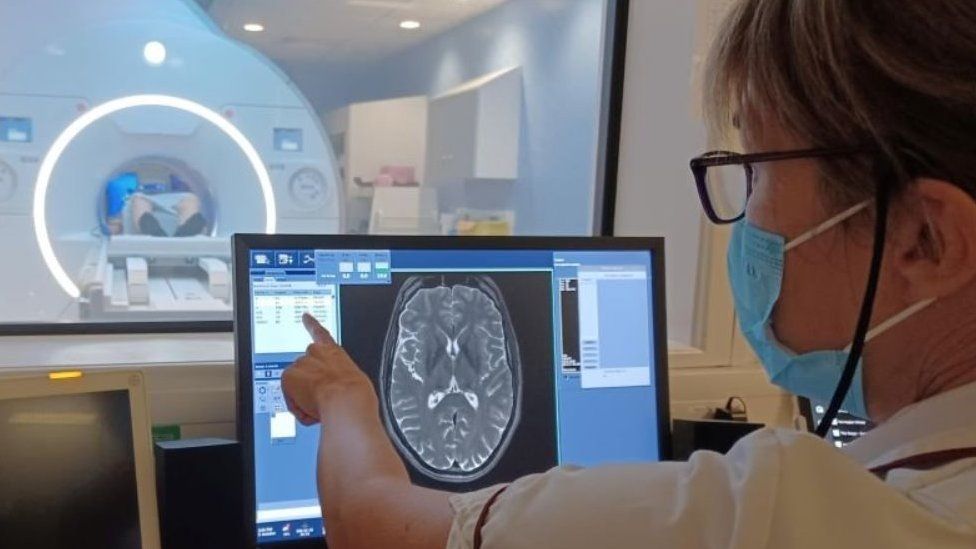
489 364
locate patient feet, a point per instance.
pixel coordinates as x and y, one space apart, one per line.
194 225
149 225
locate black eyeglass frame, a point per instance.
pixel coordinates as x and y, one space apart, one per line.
700 165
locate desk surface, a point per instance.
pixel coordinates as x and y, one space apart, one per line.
190 378
46 352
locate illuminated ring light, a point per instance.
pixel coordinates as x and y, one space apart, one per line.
105 109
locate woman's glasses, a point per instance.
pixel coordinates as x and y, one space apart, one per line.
724 179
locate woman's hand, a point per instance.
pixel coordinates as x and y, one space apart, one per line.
325 378
363 484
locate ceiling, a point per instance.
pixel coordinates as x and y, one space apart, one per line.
338 30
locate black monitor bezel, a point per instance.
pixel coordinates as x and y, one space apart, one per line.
806 412
244 243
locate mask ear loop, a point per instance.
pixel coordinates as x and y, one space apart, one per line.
867 305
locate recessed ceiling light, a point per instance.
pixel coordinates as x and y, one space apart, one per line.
410 24
154 52
253 27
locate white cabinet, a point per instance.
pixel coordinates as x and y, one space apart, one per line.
407 210
369 136
473 129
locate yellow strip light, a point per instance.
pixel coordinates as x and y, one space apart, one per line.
73 374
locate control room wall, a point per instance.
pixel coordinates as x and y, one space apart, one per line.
559 47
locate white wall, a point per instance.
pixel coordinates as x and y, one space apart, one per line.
44 22
659 135
557 44
661 131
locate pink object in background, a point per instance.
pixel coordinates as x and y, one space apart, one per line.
383 180
400 175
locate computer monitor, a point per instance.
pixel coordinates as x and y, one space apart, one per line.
492 358
76 466
845 429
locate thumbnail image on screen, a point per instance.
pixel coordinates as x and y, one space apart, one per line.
569 305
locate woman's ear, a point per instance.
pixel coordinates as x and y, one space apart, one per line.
935 251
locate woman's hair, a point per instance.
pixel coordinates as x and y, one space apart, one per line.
895 75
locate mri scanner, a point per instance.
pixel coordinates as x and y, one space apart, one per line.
150 87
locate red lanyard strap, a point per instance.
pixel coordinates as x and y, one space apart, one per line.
926 462
483 517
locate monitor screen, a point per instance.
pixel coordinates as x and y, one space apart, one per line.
844 429
68 472
490 364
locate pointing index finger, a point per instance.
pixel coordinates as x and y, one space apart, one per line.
316 330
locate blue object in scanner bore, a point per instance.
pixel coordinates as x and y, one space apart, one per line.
118 190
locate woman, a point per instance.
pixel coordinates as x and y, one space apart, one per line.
853 266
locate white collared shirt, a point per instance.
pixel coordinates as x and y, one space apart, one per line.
776 488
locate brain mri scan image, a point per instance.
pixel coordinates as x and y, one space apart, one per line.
464 364
450 376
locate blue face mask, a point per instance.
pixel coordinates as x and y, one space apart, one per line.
755 260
